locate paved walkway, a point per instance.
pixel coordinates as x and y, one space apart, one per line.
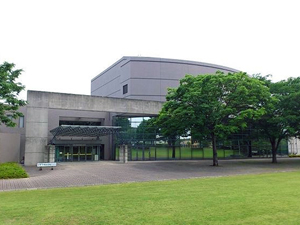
108 172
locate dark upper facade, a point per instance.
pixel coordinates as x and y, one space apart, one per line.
147 78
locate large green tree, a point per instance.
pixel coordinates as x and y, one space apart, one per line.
214 105
146 131
170 126
282 117
9 91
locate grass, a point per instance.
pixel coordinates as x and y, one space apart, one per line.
12 170
180 153
245 199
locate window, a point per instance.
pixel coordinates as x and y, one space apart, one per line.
21 121
125 89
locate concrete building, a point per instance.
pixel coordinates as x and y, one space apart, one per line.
147 78
12 140
69 127
48 112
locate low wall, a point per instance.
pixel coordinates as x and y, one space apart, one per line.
294 146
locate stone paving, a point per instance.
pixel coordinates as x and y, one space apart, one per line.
109 172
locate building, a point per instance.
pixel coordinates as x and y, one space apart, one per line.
147 78
69 127
12 140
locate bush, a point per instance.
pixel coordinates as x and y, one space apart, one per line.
294 155
12 170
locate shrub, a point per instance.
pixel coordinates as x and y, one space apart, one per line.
12 170
294 155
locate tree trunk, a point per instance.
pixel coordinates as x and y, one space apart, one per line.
274 151
215 153
171 143
173 150
250 149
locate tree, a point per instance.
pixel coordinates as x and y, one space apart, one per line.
9 91
126 132
214 105
146 131
282 117
170 126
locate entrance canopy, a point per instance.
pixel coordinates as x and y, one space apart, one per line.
84 131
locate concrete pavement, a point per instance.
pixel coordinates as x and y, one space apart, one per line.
109 172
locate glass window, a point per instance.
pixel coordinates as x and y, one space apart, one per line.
125 89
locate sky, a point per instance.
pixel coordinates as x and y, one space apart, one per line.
62 44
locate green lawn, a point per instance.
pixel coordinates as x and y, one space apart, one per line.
11 170
248 199
180 153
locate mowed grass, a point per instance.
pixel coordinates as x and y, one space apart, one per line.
245 199
180 153
12 170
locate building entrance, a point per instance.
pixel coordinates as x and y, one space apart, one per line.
76 153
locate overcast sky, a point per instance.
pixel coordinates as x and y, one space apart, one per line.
62 44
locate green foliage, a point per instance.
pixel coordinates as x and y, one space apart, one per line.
244 199
12 170
9 90
127 132
282 118
146 130
213 105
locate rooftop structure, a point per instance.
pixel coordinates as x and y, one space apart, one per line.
147 78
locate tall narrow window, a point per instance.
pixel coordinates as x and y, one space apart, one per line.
125 89
21 121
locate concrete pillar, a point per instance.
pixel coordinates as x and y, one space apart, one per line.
36 128
49 153
46 154
123 153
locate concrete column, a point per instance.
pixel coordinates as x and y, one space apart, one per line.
123 153
36 128
46 154
52 153
49 153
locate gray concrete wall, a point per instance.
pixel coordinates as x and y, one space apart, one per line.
147 78
45 108
10 147
17 130
109 85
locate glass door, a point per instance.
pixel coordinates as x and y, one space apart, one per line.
67 154
89 153
59 153
76 153
82 153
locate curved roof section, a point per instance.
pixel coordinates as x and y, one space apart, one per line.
126 59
